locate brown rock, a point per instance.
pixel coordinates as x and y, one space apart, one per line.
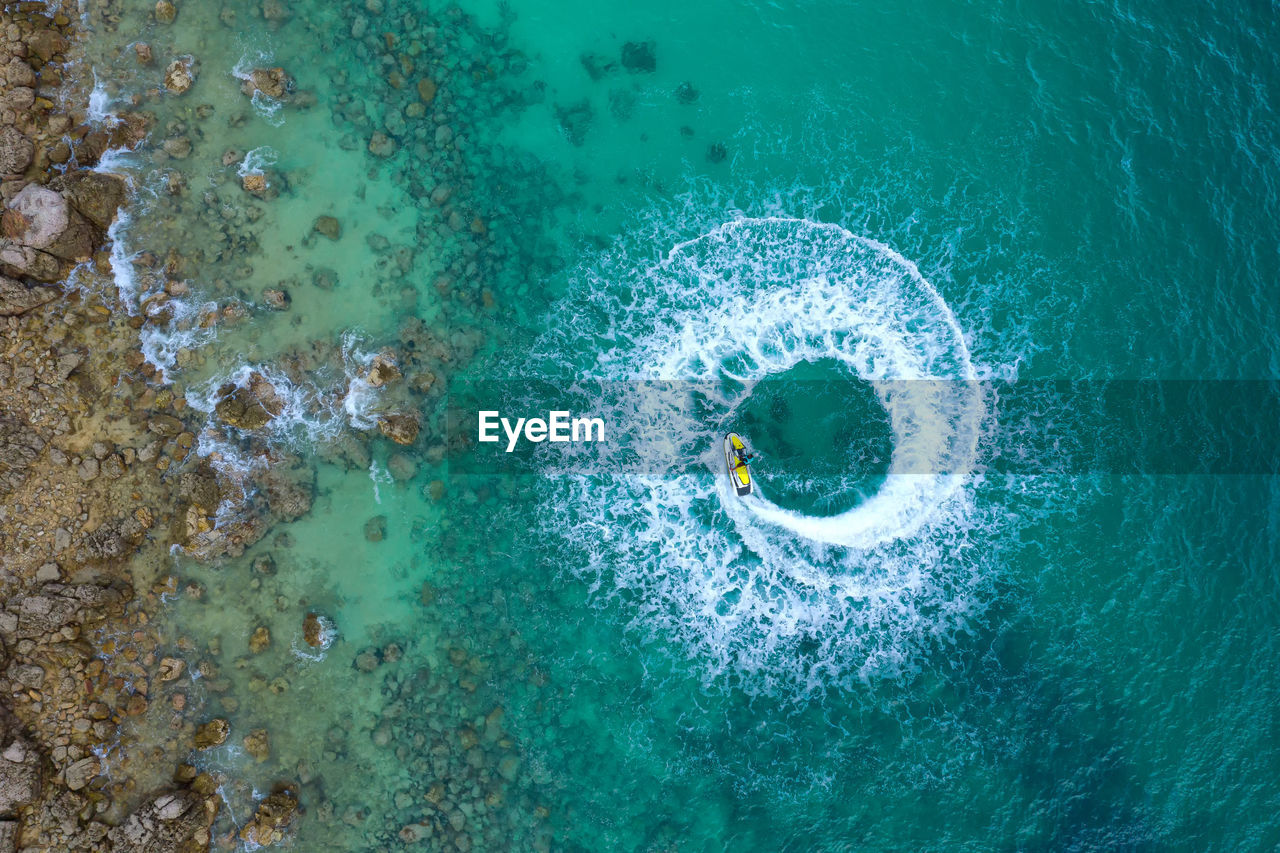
179 148
25 262
328 226
213 733
426 90
166 12
375 529
251 406
143 51
273 82
81 773
16 298
400 428
255 183
258 745
314 629
16 151
382 145
97 196
260 641
276 298
382 370
179 75
271 821
171 668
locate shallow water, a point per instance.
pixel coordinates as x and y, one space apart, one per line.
705 198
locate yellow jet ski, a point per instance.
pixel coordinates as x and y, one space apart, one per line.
739 473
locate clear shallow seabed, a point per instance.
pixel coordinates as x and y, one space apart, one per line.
749 192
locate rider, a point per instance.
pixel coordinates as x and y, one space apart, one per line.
744 455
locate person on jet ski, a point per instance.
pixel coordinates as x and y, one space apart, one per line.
744 455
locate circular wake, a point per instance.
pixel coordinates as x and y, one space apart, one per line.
770 595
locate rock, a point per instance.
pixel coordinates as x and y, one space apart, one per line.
43 219
257 744
509 768
382 370
82 772
251 406
213 733
426 90
276 299
165 425
381 145
327 226
400 428
276 11
25 262
179 148
142 51
686 93
412 833
20 776
638 57
317 631
169 823
45 43
260 641
402 467
366 661
272 819
272 82
717 153
16 298
180 74
375 529
16 151
97 196
255 183
171 668
166 12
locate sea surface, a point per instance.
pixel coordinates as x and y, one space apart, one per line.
843 229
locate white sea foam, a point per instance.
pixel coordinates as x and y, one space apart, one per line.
258 161
100 101
766 595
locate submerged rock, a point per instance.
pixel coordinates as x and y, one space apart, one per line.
260 640
375 529
639 57
258 745
166 12
328 226
382 145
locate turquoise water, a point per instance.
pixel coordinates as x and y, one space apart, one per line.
827 199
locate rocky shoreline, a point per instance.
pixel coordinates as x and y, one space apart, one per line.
86 442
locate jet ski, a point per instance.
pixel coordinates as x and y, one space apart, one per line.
739 473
